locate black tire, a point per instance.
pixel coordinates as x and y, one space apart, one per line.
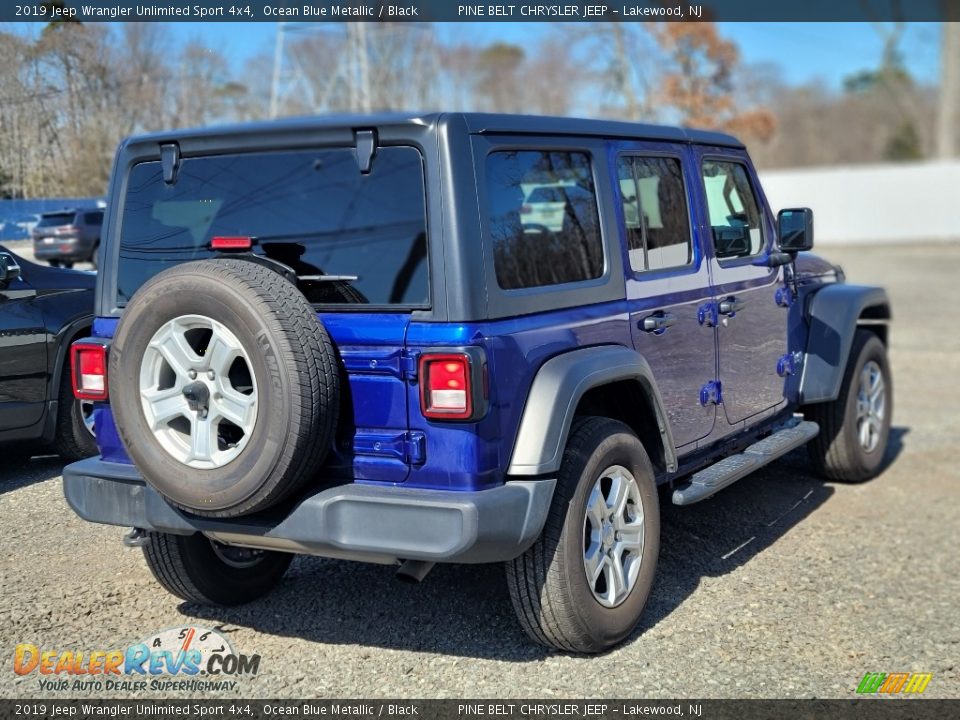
190 567
54 263
68 265
292 362
74 441
836 452
94 253
548 585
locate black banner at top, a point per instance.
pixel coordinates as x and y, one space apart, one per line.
464 11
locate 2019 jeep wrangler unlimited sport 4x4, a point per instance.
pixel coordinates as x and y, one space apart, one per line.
457 338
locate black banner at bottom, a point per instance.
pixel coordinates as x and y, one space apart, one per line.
881 708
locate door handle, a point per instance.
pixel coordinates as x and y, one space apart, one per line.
731 306
657 323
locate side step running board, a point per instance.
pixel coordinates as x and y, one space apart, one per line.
727 471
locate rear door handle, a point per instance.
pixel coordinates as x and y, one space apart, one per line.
657 323
731 306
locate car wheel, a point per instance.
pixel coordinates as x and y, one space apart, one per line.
68 265
224 386
95 256
54 263
75 439
583 585
206 572
855 428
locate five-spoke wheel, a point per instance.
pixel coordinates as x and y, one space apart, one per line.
198 392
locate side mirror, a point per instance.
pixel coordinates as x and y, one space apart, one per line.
9 269
731 241
795 229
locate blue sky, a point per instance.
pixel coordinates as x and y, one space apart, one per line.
804 51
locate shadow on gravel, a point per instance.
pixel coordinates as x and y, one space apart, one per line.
20 470
463 610
458 610
722 533
894 445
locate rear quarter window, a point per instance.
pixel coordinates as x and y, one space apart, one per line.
56 220
543 218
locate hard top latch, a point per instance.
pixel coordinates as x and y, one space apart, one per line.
366 149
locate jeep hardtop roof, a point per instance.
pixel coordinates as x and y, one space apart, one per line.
475 123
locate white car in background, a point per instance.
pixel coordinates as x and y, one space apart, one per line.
544 205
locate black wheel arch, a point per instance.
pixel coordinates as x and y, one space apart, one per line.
833 314
72 331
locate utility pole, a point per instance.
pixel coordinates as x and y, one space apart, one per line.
358 76
622 71
948 117
277 64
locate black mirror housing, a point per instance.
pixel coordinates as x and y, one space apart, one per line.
795 229
9 269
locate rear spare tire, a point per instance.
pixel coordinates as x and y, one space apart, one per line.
224 386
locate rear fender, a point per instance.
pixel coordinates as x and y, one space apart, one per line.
555 393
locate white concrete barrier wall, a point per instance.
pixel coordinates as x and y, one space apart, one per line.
901 202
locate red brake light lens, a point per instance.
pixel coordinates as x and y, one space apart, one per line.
445 386
88 364
231 243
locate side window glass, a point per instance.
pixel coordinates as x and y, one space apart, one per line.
734 211
655 212
543 218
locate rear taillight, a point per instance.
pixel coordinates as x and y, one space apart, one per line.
65 230
446 391
88 363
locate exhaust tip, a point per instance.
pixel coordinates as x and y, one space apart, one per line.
413 571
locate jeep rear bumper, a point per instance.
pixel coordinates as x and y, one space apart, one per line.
354 522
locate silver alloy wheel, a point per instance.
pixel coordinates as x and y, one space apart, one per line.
613 536
871 406
198 391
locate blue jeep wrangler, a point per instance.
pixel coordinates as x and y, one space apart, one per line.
457 338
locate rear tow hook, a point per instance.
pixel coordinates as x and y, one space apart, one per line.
137 537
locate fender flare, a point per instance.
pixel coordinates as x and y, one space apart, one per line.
833 314
557 389
63 339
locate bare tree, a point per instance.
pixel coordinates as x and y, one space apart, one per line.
698 81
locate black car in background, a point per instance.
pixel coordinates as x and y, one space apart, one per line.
68 236
43 310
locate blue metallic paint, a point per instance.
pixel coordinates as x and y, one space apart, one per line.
385 438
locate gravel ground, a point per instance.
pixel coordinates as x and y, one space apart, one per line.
781 586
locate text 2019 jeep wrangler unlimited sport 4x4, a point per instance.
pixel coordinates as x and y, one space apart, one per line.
457 338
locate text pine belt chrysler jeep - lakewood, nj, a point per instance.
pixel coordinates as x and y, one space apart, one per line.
457 338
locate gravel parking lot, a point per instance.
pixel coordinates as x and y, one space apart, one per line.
781 586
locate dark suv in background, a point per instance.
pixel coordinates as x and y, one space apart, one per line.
68 236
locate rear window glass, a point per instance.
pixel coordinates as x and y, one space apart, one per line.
56 220
353 238
543 218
